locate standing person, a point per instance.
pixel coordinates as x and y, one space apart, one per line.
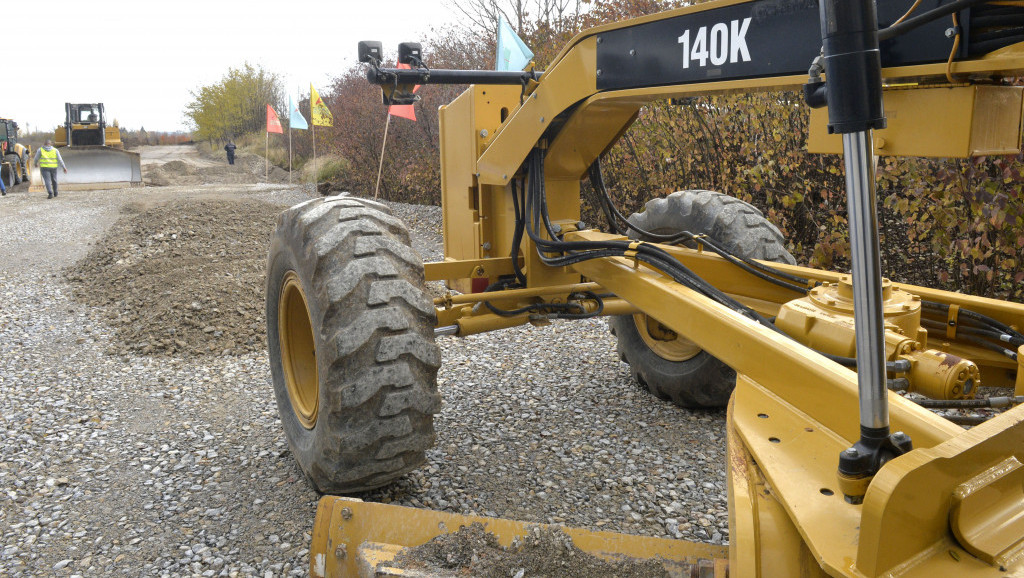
48 159
230 149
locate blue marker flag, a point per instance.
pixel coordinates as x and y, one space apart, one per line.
512 51
295 118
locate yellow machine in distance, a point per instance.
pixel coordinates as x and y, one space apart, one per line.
830 472
93 152
14 156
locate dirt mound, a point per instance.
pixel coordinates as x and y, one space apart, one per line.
472 551
248 169
182 278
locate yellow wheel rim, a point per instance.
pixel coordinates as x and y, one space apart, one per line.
663 341
298 351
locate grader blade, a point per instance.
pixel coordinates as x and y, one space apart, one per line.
356 538
94 167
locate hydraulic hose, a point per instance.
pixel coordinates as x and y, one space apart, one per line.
578 251
926 17
749 265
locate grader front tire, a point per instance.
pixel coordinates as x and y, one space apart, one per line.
668 365
351 342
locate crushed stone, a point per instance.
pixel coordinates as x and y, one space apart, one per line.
541 552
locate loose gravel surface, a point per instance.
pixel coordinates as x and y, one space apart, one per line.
117 461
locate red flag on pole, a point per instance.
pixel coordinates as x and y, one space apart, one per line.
273 123
404 110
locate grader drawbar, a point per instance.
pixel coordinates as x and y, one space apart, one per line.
830 472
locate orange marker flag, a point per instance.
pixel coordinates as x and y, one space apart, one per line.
404 110
273 122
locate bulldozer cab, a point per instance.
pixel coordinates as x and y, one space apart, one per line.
85 124
85 113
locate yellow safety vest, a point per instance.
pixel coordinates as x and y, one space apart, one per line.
48 158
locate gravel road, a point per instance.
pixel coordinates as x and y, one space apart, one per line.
143 465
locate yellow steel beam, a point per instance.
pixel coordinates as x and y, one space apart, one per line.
735 281
766 297
468 268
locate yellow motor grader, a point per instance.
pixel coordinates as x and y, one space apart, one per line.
830 472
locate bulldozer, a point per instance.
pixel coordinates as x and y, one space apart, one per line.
93 153
14 156
831 472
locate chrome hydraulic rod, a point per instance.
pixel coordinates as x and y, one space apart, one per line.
869 320
852 90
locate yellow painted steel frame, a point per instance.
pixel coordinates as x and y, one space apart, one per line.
951 506
792 413
486 135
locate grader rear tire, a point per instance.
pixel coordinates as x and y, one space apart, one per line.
350 333
669 365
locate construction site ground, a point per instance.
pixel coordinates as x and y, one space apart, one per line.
138 421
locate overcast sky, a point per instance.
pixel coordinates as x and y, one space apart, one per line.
142 57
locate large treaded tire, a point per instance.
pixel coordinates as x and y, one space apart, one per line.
16 168
700 380
368 415
7 174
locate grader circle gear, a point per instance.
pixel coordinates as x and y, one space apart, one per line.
669 365
350 336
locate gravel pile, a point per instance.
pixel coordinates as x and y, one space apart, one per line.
473 551
185 277
119 463
248 169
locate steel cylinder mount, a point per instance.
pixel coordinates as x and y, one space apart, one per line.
824 321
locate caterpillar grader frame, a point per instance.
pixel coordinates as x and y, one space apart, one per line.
830 472
92 151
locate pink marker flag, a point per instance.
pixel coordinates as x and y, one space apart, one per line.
273 122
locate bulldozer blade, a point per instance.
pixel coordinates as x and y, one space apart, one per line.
356 538
94 167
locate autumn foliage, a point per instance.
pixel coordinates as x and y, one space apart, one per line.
236 104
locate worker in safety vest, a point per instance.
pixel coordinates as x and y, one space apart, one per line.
48 159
